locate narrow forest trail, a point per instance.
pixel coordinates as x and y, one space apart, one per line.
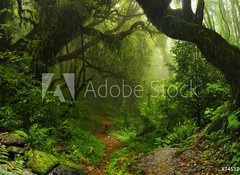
158 162
110 142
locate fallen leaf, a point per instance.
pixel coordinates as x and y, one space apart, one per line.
183 164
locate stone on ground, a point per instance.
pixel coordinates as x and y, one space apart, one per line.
15 150
41 162
11 139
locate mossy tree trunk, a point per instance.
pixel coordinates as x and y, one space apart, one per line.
213 46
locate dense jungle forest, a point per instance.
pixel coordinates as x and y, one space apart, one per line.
119 87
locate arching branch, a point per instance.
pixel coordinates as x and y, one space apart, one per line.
103 36
214 47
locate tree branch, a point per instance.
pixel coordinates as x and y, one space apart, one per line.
103 36
199 12
213 46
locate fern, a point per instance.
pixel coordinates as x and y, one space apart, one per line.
9 167
233 123
3 155
16 166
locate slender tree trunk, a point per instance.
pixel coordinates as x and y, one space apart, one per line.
4 41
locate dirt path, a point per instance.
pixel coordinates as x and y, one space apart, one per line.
157 162
110 142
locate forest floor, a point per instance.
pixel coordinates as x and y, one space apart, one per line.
157 162
110 142
161 161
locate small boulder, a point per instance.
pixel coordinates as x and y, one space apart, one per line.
16 150
41 162
11 139
65 170
28 172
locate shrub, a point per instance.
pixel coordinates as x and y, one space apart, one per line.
9 120
180 134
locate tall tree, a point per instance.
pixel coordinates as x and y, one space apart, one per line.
213 46
67 30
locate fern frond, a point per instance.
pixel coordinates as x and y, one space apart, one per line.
3 154
9 167
16 166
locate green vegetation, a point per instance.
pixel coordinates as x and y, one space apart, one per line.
120 161
41 162
10 167
65 66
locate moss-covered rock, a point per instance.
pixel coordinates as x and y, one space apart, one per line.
41 162
28 172
11 139
16 150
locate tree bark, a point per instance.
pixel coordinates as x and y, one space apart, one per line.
4 14
213 46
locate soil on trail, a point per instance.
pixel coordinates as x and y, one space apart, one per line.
157 162
110 142
160 161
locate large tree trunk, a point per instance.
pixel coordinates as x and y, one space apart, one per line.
214 47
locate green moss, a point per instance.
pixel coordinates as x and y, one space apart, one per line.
41 162
71 164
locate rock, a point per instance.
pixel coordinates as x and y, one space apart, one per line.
41 162
65 170
11 139
28 172
15 150
158 161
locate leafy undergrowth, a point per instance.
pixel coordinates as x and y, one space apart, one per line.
65 142
68 138
7 167
216 149
208 157
151 140
130 138
120 161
